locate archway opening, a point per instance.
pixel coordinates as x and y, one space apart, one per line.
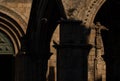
6 67
6 58
109 16
12 29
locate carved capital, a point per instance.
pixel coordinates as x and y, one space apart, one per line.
84 10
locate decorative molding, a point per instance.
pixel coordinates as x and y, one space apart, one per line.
14 32
73 8
19 18
6 46
91 11
16 48
84 10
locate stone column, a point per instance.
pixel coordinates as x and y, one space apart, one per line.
72 52
29 69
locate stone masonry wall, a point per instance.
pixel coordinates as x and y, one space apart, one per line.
86 11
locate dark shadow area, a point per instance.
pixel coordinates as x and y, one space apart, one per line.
72 52
6 68
100 79
51 76
109 16
43 20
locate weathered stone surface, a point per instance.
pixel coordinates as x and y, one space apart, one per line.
84 10
17 1
21 7
72 8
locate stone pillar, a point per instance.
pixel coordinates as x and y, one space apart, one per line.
28 68
72 52
20 62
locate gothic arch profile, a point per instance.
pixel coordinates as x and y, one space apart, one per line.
90 11
84 10
13 25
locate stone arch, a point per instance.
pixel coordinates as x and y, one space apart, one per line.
108 15
90 10
84 10
19 18
13 25
6 47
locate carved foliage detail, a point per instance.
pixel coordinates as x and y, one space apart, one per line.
5 45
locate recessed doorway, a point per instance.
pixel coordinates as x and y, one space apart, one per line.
7 64
6 68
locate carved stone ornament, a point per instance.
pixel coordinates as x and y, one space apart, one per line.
5 45
84 10
71 8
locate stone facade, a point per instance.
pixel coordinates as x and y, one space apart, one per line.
84 10
21 7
